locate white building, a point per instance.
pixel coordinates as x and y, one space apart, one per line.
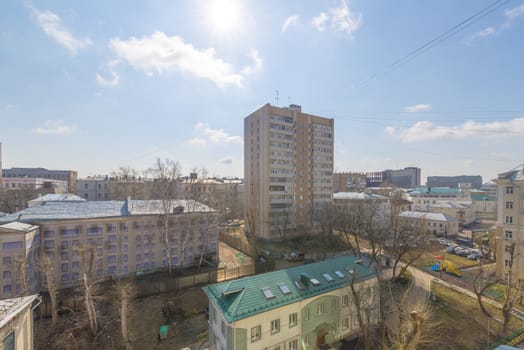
35 183
423 198
434 223
464 212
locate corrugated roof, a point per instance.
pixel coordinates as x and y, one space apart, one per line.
451 205
248 296
58 197
426 216
97 209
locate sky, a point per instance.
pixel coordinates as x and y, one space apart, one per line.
96 85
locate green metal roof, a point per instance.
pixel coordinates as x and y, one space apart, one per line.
252 295
480 197
434 190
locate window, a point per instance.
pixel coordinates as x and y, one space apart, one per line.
327 277
306 314
7 275
509 190
345 300
333 304
509 205
268 293
320 309
306 341
64 267
509 219
275 326
284 289
13 246
293 319
48 244
339 274
256 333
7 290
7 260
292 345
508 234
223 328
345 323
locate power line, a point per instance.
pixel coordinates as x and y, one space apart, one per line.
437 40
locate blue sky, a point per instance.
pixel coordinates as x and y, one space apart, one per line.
95 85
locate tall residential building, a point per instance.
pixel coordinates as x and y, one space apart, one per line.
454 181
510 223
349 182
288 168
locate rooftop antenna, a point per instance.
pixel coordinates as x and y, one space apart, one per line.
277 92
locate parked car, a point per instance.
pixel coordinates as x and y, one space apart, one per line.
443 241
475 256
451 249
463 252
295 256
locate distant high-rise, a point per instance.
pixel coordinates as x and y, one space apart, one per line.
288 169
454 181
406 178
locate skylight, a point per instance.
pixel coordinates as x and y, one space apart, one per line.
284 289
339 274
315 282
268 293
327 277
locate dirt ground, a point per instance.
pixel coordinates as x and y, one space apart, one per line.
230 257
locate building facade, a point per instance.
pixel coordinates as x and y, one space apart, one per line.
19 244
288 168
405 178
510 223
423 198
70 176
349 182
94 189
432 223
454 181
464 212
304 307
378 206
119 238
16 322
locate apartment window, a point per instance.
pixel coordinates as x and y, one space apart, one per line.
508 234
345 323
320 309
345 300
306 314
292 345
75 265
509 205
223 328
7 275
509 190
333 304
7 260
275 326
64 267
509 219
65 277
293 319
48 244
256 333
7 290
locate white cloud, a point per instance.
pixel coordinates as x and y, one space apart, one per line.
55 127
113 81
226 160
50 24
257 64
291 21
426 131
423 107
510 14
216 135
161 53
319 21
197 142
342 19
514 12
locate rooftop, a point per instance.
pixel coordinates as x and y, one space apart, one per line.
9 308
433 190
358 196
426 216
58 197
67 210
514 174
248 296
17 226
451 205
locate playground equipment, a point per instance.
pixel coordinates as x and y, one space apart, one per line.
444 265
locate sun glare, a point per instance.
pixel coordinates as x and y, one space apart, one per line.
224 16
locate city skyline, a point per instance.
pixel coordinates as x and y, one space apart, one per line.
95 86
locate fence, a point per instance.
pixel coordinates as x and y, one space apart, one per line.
236 241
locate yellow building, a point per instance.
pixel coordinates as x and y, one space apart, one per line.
288 169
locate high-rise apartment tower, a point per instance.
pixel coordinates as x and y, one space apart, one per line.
288 169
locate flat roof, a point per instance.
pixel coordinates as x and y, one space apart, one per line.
248 296
67 210
426 216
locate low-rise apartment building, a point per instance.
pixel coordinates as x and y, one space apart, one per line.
422 198
376 205
431 223
464 212
118 238
303 307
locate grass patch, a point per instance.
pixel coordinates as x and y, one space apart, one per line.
428 258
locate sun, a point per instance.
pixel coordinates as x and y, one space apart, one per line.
224 16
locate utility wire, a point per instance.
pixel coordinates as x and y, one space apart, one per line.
437 40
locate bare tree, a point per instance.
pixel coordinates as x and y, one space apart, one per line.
89 287
166 176
48 269
511 294
123 295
